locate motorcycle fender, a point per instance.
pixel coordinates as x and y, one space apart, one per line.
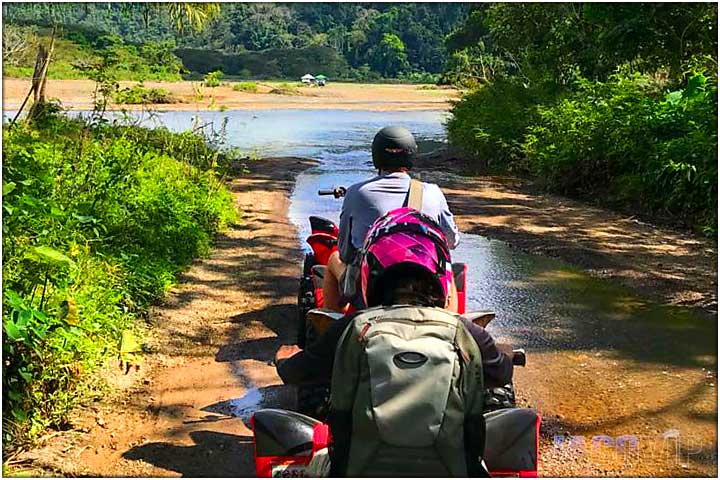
512 442
322 245
285 441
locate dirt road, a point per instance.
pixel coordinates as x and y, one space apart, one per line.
78 95
215 336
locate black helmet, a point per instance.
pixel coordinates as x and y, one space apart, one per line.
393 147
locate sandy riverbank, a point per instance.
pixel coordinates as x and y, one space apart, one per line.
78 95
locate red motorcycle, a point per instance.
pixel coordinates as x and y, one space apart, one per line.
284 441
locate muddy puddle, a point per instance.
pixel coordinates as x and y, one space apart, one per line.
541 303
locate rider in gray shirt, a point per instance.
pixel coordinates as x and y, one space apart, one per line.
393 150
367 201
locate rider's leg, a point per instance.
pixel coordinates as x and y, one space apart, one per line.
452 301
331 286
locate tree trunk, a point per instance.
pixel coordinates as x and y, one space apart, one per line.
39 79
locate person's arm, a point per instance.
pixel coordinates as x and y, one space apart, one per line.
314 364
446 220
497 366
497 370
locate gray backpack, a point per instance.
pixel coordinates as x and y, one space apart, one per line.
410 376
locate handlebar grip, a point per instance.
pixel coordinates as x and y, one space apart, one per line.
519 357
326 192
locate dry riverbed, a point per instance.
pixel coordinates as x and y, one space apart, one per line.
78 95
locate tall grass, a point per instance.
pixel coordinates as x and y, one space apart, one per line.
97 222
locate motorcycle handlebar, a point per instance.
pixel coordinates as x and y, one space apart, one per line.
518 357
337 192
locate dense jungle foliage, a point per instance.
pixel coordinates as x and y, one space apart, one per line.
74 54
364 41
611 102
97 220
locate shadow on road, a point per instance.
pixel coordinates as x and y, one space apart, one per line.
213 454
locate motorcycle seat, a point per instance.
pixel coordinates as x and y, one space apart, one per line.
320 224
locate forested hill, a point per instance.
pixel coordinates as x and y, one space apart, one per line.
352 40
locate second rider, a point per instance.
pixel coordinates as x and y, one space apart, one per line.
393 152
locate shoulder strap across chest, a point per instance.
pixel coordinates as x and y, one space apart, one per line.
415 195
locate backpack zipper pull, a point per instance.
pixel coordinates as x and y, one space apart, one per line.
363 331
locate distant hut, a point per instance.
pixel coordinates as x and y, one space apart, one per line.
307 78
321 79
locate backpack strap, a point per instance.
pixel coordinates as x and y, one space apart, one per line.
415 195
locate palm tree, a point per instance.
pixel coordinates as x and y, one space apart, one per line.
184 14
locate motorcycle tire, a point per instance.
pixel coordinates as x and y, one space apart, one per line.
306 299
308 264
500 397
314 401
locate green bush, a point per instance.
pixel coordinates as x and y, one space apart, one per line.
250 87
285 89
139 95
212 79
97 222
623 140
490 122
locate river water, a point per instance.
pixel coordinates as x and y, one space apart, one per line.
540 302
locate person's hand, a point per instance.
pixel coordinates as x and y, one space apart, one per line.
339 192
285 352
506 349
